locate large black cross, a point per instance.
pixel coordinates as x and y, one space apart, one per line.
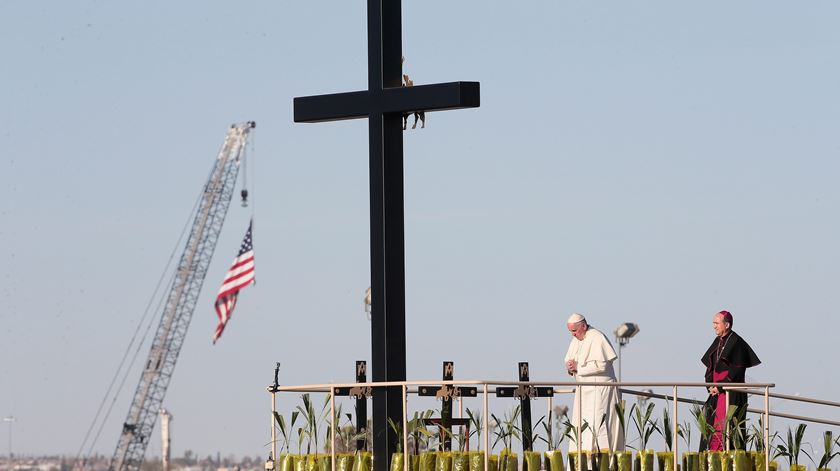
361 394
383 103
446 394
525 392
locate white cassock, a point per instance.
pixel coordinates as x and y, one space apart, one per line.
595 356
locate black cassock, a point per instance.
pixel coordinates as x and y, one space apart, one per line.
726 361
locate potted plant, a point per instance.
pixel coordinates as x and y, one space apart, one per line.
505 432
757 445
532 460
477 456
599 458
666 458
706 430
554 455
285 461
829 453
623 459
645 427
574 437
690 459
791 448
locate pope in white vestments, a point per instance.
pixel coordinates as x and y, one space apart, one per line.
590 359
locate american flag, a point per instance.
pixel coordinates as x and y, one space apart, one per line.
240 275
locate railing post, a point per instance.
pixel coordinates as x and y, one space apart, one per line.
486 432
332 426
724 431
273 428
676 444
550 421
578 402
767 428
405 427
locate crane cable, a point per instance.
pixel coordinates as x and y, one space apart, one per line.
122 368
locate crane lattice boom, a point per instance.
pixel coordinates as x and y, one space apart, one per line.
180 304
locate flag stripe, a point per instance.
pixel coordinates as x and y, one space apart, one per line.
239 275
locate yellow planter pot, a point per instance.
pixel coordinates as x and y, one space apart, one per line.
343 462
398 462
644 460
460 461
508 461
324 462
797 467
665 460
476 460
599 461
741 461
362 461
554 461
691 461
428 460
531 461
573 458
703 460
444 461
285 463
714 461
624 461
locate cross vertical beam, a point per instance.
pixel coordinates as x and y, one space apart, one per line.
387 227
361 408
384 103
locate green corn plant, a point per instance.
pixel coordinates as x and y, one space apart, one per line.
755 436
619 412
667 430
301 436
572 432
534 435
791 447
460 437
311 419
285 431
684 432
506 430
307 413
329 426
703 426
417 430
829 453
476 425
550 442
396 426
597 432
734 431
645 426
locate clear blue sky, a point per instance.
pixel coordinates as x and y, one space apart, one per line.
635 161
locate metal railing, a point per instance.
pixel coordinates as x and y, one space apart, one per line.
410 387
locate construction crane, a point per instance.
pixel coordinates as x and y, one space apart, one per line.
181 301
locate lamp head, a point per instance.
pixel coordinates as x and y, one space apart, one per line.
626 330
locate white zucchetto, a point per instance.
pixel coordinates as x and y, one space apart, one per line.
575 318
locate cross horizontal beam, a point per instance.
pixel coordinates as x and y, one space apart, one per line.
352 105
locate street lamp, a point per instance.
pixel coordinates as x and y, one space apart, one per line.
623 334
10 419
